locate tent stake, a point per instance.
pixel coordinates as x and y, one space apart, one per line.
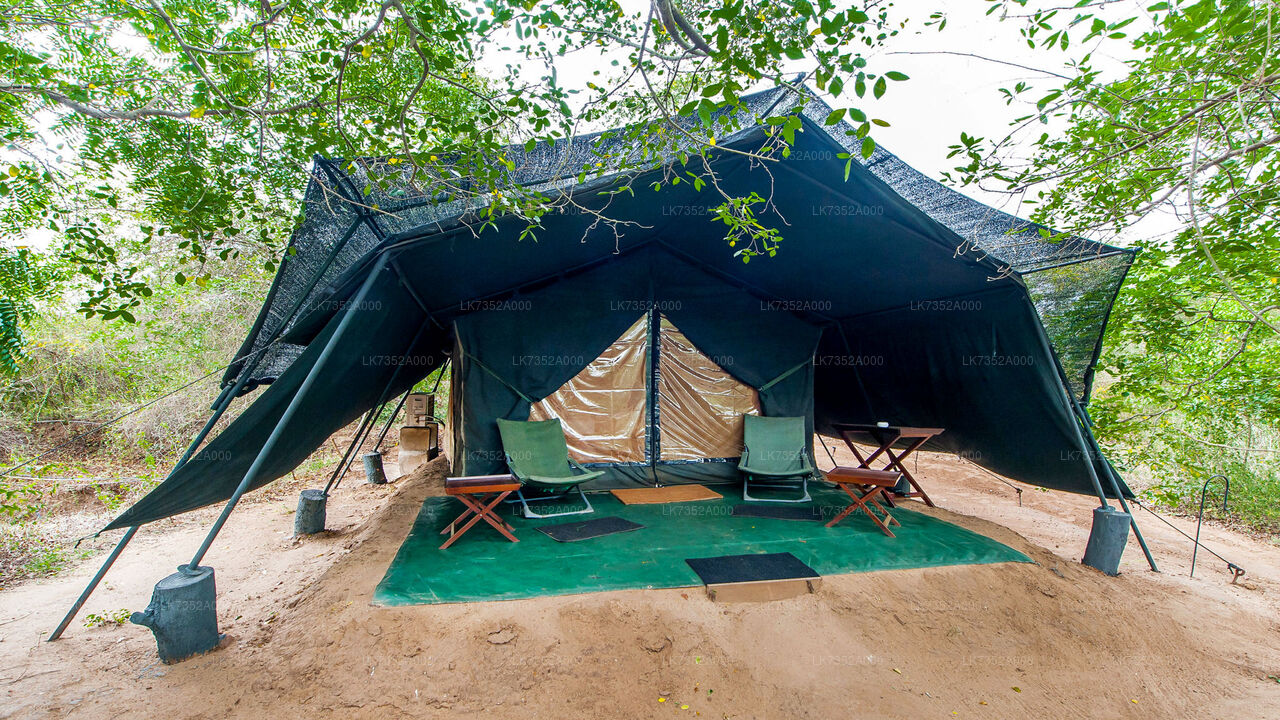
289 412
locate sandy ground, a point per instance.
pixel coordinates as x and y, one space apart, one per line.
1051 639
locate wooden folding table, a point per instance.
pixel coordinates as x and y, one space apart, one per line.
480 494
885 437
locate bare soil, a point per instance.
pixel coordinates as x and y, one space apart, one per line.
1050 639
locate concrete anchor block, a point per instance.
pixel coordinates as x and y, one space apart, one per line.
310 517
373 472
1107 539
183 615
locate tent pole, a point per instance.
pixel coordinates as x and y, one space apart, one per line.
224 401
1065 388
377 447
220 407
1115 485
1084 448
93 584
1133 521
297 305
288 414
349 455
341 471
1078 424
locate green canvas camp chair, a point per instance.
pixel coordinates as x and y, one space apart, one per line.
539 458
774 449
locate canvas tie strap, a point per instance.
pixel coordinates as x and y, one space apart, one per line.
784 375
499 378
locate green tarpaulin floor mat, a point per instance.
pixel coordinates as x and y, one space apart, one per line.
483 565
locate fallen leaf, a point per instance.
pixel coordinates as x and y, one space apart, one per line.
1017 689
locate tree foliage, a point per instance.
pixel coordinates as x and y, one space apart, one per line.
194 121
1178 154
24 279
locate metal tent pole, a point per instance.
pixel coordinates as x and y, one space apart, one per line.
93 584
1133 521
377 446
1084 448
1080 427
400 406
1115 484
356 441
1065 388
220 406
341 471
288 414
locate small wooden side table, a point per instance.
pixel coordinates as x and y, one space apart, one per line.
864 487
480 494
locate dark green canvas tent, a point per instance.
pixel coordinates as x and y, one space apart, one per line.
891 298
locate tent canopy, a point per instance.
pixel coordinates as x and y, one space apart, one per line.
890 298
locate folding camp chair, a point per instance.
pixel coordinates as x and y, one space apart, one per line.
539 458
774 449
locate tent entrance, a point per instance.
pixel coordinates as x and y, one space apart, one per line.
634 406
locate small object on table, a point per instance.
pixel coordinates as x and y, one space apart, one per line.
864 487
885 437
481 494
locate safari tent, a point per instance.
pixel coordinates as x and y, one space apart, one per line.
890 297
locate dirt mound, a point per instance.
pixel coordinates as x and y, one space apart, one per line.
1052 639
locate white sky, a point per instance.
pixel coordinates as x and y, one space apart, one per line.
946 94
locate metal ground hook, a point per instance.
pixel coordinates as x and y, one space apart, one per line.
1226 491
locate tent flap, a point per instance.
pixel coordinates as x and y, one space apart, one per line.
374 346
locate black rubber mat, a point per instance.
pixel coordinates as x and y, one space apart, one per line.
587 529
777 512
748 568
